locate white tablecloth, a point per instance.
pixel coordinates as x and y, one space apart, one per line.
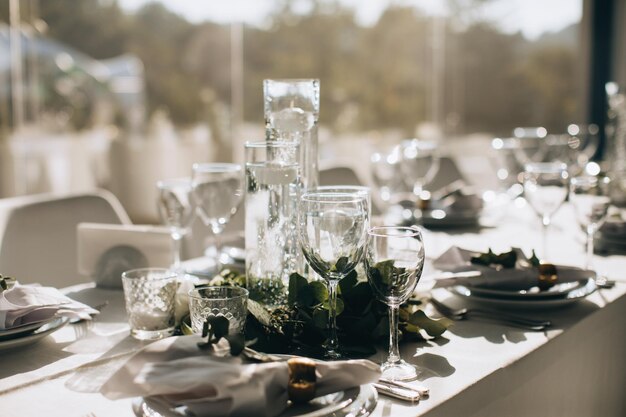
577 368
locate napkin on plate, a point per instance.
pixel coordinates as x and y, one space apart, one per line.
456 259
26 304
174 372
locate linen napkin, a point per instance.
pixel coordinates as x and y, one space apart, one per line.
457 260
174 372
25 304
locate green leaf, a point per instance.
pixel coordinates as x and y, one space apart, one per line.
320 318
340 306
386 270
296 283
306 296
347 284
341 264
320 292
434 328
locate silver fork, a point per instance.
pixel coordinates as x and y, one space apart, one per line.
507 318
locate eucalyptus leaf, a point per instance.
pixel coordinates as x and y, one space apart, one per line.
320 292
339 307
296 283
259 312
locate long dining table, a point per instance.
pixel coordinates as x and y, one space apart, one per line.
577 367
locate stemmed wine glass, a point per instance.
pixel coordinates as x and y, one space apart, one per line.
419 163
545 189
332 235
394 261
176 212
590 197
217 190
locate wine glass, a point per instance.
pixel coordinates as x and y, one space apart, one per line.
590 197
394 261
545 189
387 177
419 163
216 190
176 212
332 234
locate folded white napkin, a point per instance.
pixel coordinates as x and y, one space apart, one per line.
174 372
25 304
457 260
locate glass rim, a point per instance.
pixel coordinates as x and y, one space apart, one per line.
260 144
217 167
325 197
590 180
167 274
193 293
411 231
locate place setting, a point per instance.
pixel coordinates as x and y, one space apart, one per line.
29 313
416 185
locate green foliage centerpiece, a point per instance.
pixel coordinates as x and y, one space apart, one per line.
299 326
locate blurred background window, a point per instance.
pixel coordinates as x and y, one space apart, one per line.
388 69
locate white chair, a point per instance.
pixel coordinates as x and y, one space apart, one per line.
38 234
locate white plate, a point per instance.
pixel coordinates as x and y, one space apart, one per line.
356 402
14 332
36 335
572 296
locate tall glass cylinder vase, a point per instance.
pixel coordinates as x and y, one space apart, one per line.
291 108
272 190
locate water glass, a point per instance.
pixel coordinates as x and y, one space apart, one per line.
229 302
394 261
272 188
590 197
176 212
419 163
332 235
150 295
216 190
545 189
387 177
291 108
531 144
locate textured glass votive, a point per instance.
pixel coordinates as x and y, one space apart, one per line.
229 302
150 295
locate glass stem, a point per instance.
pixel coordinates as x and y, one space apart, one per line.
177 239
589 261
394 352
545 220
332 344
217 244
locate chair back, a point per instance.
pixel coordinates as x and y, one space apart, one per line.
38 234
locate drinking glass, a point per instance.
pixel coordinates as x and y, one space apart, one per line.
216 190
590 197
393 262
150 295
419 163
272 188
332 234
531 146
291 108
545 189
387 177
207 301
176 212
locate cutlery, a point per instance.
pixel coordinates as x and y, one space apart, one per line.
397 392
423 391
511 319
